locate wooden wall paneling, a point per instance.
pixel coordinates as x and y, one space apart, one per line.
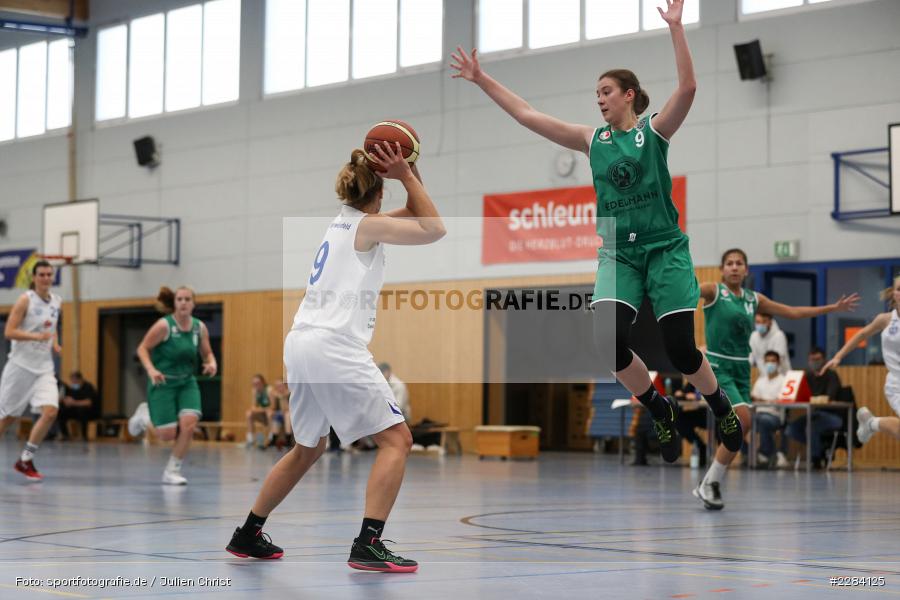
111 368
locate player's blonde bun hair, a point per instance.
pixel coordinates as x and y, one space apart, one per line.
357 185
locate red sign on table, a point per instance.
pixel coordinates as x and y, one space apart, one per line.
549 225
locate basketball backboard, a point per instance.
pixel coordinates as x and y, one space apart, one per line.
71 229
894 165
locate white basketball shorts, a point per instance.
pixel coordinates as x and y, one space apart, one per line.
334 382
892 391
19 387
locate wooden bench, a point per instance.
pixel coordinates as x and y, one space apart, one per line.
449 438
507 441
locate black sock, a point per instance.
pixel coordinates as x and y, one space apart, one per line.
718 403
371 528
253 525
653 401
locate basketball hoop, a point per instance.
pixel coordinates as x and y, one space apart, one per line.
56 260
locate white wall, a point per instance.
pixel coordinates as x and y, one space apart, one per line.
231 173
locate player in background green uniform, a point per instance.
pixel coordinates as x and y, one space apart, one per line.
644 252
730 310
169 353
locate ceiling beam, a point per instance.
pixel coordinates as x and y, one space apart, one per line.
56 9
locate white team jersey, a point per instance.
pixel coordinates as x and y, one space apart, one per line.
41 316
342 294
890 345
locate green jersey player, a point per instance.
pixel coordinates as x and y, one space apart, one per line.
730 311
169 352
644 253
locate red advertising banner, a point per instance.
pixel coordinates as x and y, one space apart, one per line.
549 225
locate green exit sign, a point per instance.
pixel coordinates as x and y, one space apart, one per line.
787 249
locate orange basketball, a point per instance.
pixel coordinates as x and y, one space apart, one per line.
392 132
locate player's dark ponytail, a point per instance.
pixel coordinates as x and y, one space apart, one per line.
627 80
165 301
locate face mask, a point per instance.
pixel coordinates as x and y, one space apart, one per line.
762 329
75 386
815 365
771 368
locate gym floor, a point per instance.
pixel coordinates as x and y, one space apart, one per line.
566 525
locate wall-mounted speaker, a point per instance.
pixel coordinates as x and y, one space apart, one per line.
750 60
146 152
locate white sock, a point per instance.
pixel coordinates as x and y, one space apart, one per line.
716 472
174 464
28 451
874 423
249 438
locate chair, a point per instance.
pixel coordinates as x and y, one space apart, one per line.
839 436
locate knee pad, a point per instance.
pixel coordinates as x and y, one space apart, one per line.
678 337
612 327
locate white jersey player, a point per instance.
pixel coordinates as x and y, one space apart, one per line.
888 324
28 377
331 373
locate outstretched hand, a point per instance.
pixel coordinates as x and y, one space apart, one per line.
831 364
672 14
847 303
465 66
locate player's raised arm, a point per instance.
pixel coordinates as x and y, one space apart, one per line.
677 106
570 135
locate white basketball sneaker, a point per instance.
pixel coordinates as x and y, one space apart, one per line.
710 495
171 477
864 432
138 422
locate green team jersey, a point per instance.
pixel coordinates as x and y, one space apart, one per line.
729 323
632 183
261 398
177 355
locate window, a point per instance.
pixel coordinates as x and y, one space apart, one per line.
327 33
7 94
170 61
553 22
606 18
499 25
59 84
749 7
112 56
421 31
184 47
145 66
652 20
556 22
285 60
35 89
374 37
32 90
318 42
221 51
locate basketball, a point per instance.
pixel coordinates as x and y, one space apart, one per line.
392 132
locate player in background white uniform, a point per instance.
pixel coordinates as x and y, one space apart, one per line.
29 377
331 373
888 324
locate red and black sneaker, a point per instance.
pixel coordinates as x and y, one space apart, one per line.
253 546
26 468
373 556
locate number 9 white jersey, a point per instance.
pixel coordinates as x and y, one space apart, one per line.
344 285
